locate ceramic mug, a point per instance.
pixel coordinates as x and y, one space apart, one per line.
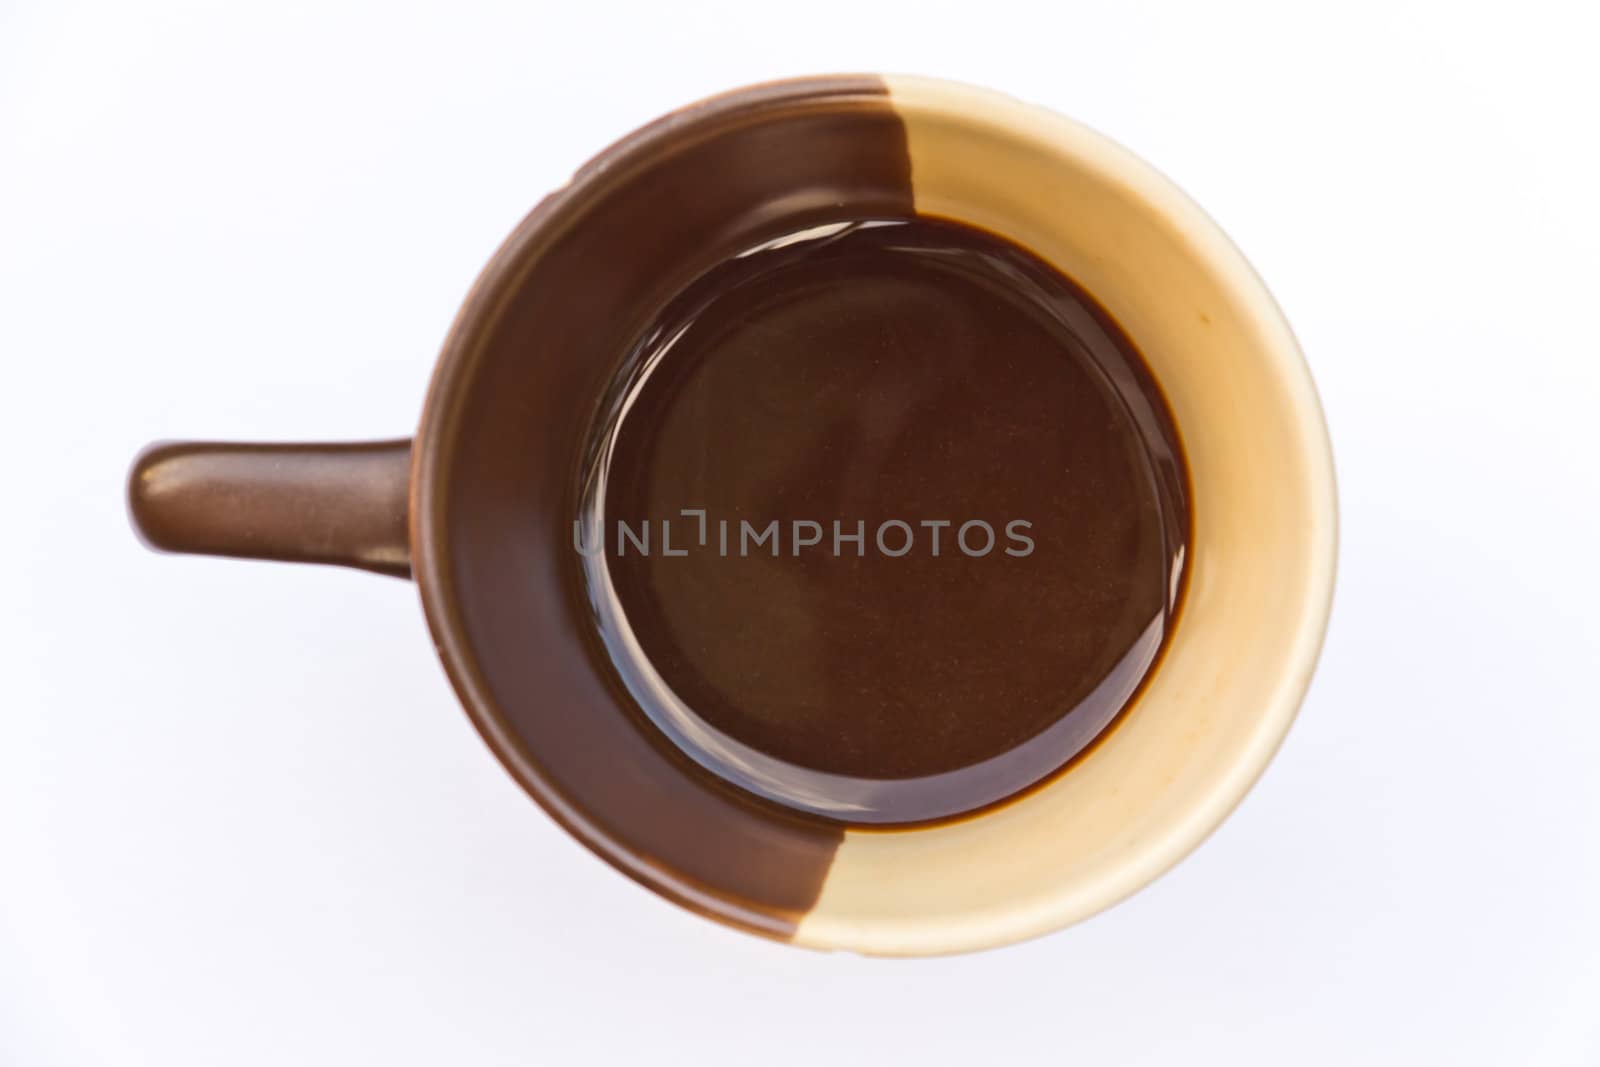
477 508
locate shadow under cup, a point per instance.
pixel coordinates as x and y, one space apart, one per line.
506 446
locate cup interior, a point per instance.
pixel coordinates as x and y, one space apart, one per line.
529 362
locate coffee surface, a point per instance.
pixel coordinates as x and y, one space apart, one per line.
885 521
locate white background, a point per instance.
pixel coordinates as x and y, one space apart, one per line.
243 821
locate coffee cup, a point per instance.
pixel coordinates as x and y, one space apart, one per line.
485 508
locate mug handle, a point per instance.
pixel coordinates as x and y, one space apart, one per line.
314 503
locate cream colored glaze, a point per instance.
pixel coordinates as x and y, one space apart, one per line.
1261 579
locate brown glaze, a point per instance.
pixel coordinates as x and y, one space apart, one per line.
911 372
333 503
501 452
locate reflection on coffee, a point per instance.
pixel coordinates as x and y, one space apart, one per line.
904 406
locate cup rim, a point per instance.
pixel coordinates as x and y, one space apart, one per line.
1157 194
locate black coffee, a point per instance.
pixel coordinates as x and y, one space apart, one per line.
887 521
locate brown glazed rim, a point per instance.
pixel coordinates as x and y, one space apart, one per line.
495 285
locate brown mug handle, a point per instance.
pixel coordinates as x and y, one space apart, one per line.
326 503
